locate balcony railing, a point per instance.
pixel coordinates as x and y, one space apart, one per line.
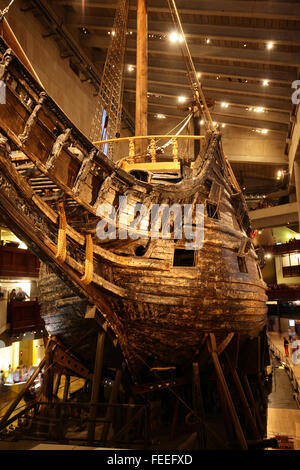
16 262
24 316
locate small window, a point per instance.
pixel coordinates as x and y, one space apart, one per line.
212 210
140 250
184 258
242 264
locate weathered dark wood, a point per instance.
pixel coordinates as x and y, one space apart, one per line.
243 398
96 384
225 390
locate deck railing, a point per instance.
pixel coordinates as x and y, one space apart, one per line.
152 147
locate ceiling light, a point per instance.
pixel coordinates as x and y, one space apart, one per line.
113 33
245 45
175 37
181 99
261 131
279 174
215 123
259 109
207 41
270 45
198 75
268 256
224 105
223 125
130 68
201 122
266 83
160 116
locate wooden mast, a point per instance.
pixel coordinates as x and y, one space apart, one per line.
141 111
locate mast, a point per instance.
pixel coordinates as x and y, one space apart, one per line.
141 110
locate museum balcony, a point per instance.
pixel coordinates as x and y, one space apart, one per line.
24 317
17 262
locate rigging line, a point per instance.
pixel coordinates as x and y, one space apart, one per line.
178 132
5 10
198 88
187 120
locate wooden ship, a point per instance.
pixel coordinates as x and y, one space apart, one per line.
158 317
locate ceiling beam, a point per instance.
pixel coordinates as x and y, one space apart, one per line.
233 8
263 160
239 122
241 54
236 99
281 93
196 31
176 66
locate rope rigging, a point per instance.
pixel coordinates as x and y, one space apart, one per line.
191 71
5 10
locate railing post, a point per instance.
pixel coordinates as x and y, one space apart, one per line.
153 150
175 150
131 151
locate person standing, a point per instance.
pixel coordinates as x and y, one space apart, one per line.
286 347
2 378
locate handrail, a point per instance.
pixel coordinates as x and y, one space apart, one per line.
149 137
153 141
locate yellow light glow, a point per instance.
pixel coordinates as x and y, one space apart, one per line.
224 105
266 83
175 37
270 45
130 68
182 99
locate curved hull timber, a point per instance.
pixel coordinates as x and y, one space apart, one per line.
156 312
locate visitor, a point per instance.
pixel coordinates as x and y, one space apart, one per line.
12 295
10 379
16 375
21 295
2 378
286 347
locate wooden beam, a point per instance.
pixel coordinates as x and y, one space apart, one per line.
221 378
257 90
141 108
96 384
212 31
240 54
232 8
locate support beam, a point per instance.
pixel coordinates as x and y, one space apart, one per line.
96 384
219 32
225 391
260 56
297 184
239 8
274 216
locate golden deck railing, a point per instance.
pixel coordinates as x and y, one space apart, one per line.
134 157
